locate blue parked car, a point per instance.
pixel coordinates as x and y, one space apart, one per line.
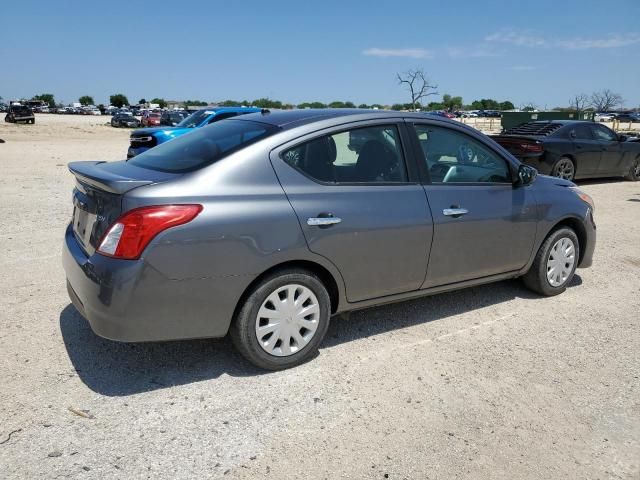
145 138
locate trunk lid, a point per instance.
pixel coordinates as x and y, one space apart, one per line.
520 145
98 193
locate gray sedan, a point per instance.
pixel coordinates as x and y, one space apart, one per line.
266 225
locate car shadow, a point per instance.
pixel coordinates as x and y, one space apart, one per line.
120 369
633 200
377 320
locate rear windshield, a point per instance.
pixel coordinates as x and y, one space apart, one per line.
203 146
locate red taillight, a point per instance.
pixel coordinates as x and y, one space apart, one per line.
133 231
531 147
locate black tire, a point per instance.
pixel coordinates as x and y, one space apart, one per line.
536 278
634 171
243 332
564 168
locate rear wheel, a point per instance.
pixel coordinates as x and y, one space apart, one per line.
564 168
634 171
555 263
283 320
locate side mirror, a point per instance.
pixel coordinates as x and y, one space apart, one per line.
526 175
622 138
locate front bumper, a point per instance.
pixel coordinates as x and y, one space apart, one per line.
133 151
130 301
590 240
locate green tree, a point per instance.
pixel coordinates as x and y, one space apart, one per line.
267 103
435 106
86 100
159 101
118 100
47 98
450 103
364 105
312 105
378 106
142 101
195 103
507 105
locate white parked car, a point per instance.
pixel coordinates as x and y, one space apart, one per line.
604 117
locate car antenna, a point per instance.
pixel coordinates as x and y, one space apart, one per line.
265 111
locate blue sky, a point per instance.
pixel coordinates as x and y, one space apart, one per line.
542 52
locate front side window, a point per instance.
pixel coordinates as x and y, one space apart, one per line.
600 132
202 147
363 155
454 157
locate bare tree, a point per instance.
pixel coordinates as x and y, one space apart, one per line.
605 100
579 102
418 85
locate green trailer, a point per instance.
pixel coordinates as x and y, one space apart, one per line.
512 119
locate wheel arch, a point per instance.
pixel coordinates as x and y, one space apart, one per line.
325 276
576 225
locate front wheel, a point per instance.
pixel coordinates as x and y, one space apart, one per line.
564 168
555 263
634 171
283 320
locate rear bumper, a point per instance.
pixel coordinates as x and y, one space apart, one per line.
130 301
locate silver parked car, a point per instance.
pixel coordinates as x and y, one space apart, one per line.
267 224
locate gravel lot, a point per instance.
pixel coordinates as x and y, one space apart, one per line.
489 382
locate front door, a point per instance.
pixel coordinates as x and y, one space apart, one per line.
587 150
359 208
483 225
612 159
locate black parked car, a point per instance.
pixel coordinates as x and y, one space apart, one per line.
20 113
173 118
124 120
627 117
572 149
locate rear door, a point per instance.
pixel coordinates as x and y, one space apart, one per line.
359 206
586 148
612 159
483 225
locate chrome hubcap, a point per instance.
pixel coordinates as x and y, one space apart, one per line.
560 262
565 169
636 169
287 320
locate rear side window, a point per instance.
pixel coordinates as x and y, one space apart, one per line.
203 146
581 132
363 155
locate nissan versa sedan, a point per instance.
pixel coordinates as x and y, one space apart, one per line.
265 225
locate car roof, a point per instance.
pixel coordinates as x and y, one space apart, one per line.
287 119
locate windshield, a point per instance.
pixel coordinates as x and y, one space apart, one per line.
195 119
203 147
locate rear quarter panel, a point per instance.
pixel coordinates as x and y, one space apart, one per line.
246 227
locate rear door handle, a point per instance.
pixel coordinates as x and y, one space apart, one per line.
323 221
455 212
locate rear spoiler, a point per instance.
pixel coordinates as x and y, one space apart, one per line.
104 175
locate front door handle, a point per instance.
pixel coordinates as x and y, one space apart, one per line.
455 212
323 221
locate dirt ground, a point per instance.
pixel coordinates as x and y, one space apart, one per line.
487 383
